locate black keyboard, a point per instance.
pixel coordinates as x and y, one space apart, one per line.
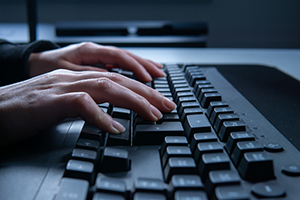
214 146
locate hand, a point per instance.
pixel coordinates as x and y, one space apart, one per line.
30 106
85 56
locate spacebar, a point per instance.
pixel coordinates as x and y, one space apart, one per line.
154 134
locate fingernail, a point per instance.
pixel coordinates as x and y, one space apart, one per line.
170 105
117 127
156 113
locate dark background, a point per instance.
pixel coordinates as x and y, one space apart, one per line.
232 23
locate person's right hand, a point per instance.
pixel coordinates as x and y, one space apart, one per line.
30 106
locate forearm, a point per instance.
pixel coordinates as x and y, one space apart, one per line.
14 59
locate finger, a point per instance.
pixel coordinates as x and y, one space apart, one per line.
153 96
106 90
81 104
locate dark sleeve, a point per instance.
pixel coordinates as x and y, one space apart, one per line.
14 58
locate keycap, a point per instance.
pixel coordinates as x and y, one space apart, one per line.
213 105
186 182
190 195
204 91
291 170
195 77
80 169
243 147
71 189
154 134
206 147
107 196
123 138
202 137
209 97
173 141
88 144
179 165
199 87
85 155
149 185
115 160
148 196
230 126
224 117
190 111
122 113
168 117
175 151
231 193
196 124
185 105
268 190
112 185
212 161
237 137
256 166
183 94
221 178
217 111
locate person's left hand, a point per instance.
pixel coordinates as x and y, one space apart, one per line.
85 56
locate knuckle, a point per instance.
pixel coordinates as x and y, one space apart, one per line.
79 100
104 83
115 77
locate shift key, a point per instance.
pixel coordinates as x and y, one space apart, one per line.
154 134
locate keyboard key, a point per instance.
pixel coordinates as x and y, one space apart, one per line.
173 141
175 151
243 147
179 165
190 195
224 117
256 166
231 193
291 170
148 196
268 190
107 196
209 97
221 178
212 161
115 160
122 138
207 147
168 117
150 185
217 111
230 126
85 155
236 137
202 137
122 113
213 105
186 182
190 111
71 189
154 134
204 91
88 144
112 185
199 87
80 169
185 105
196 124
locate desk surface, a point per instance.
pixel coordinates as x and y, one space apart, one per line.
286 60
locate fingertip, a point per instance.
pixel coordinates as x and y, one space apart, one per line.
117 127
